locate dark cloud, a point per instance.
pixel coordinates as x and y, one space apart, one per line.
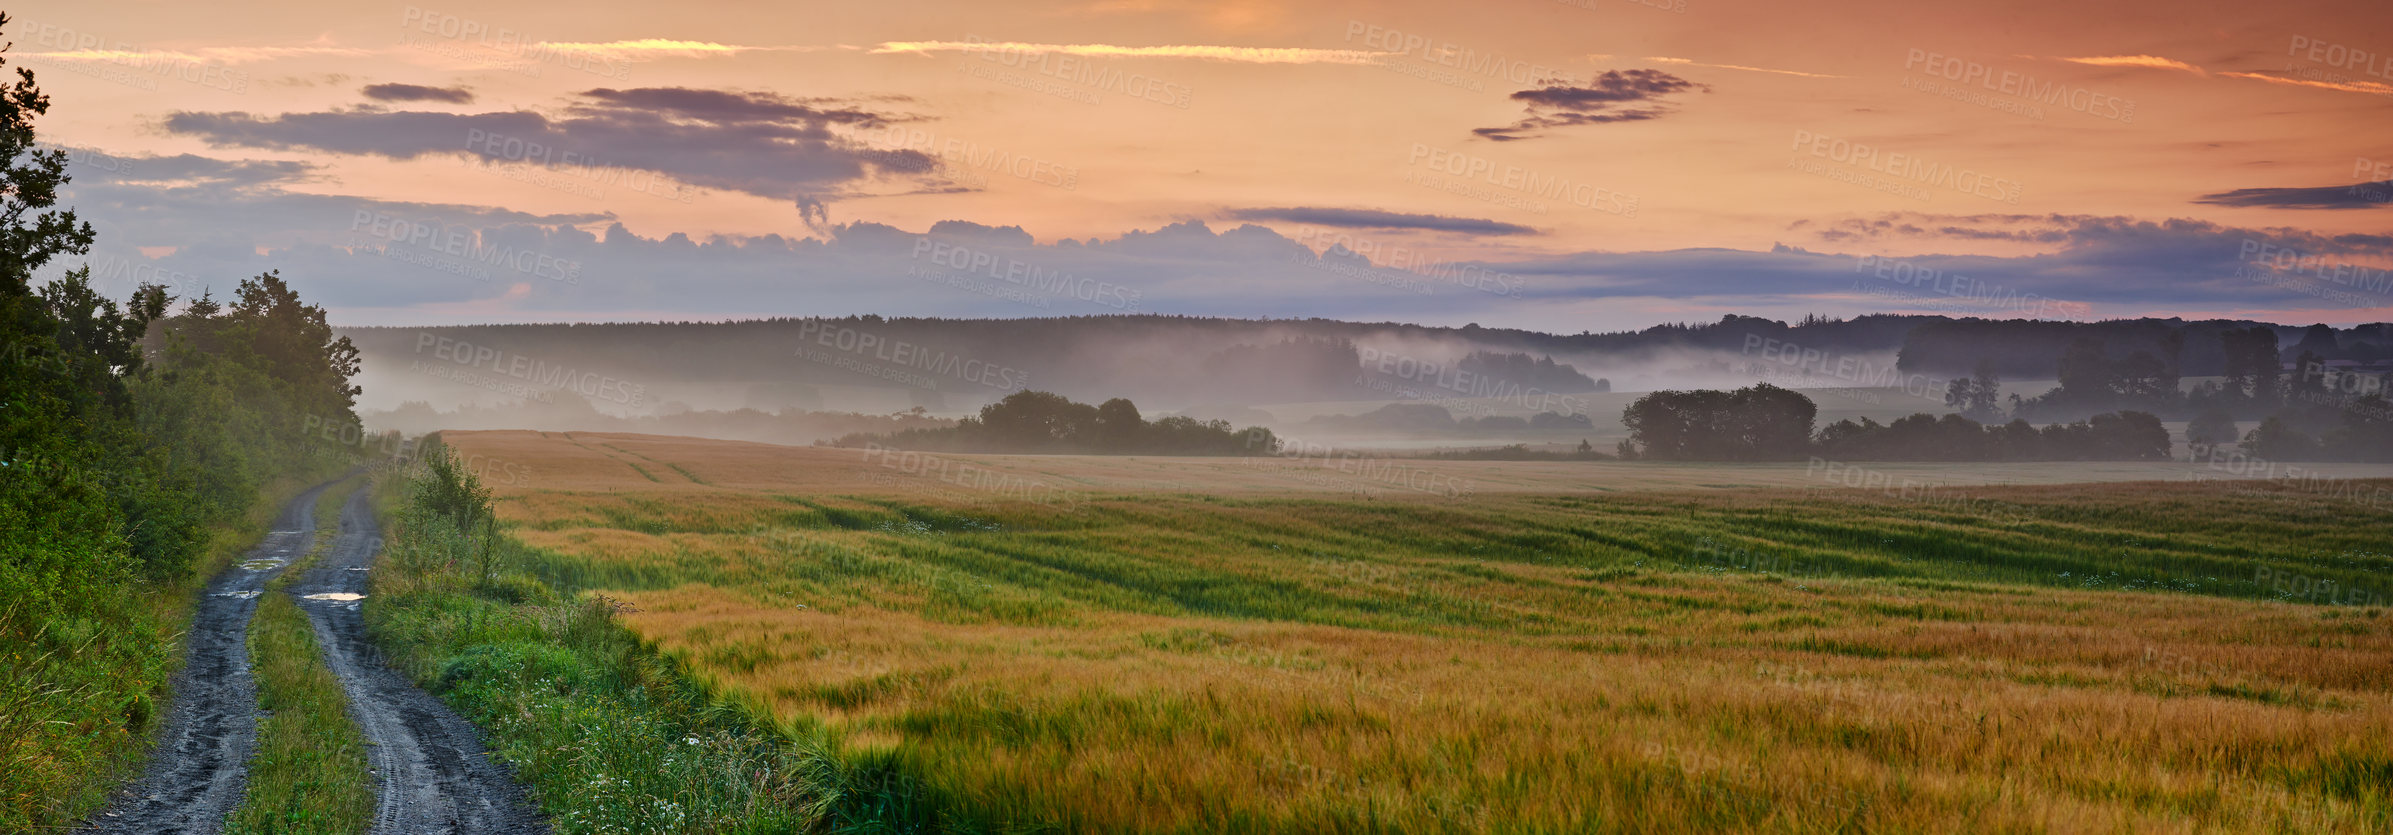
1610 97
2356 196
418 92
220 220
756 143
1376 219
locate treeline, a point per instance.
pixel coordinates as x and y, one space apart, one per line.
2024 348
1767 423
131 437
1042 422
572 413
1433 419
1172 362
2322 404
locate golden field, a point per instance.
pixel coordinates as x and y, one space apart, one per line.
1156 644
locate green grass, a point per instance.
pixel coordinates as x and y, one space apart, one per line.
309 772
2054 657
803 608
609 735
79 696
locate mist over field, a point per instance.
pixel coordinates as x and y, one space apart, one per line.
1196 416
801 381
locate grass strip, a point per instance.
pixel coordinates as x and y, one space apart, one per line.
309 772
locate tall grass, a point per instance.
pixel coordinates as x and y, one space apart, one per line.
2104 657
309 772
609 735
79 696
1662 663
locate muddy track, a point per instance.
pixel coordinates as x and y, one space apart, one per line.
432 774
198 767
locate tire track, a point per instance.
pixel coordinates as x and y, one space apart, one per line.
200 762
432 774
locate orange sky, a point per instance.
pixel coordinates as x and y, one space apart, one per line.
1099 118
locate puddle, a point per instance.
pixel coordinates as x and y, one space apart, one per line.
261 565
244 595
336 595
361 569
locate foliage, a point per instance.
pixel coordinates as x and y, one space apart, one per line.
2123 436
1761 422
609 735
126 454
1043 422
1737 660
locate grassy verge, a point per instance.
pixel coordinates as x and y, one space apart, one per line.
79 697
609 735
309 773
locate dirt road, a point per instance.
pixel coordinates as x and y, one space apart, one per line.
197 771
432 774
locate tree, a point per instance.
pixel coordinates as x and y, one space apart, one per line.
2251 363
1976 397
2278 440
1759 422
2212 428
1118 425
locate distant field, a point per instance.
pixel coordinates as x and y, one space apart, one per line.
1198 645
614 461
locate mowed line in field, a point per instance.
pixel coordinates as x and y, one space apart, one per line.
1146 661
612 461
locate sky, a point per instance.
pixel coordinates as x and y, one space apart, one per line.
1558 165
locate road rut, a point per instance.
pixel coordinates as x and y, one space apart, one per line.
201 762
432 775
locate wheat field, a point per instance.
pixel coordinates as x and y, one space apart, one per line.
1189 645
